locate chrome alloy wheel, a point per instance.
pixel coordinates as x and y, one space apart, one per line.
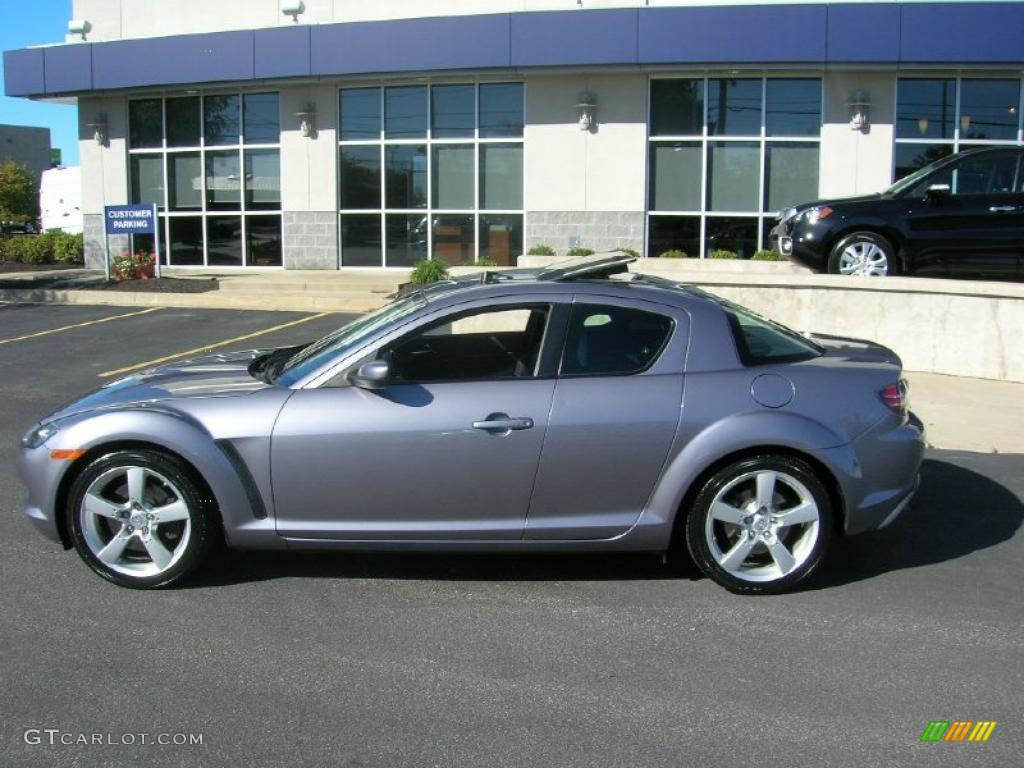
762 526
863 258
135 521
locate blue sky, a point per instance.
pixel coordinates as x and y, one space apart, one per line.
35 23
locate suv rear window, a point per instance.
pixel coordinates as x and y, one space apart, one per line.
760 341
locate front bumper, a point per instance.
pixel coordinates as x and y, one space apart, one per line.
41 477
800 244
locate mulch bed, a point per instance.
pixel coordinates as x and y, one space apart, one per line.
158 285
17 266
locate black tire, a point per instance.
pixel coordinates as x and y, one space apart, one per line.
202 519
865 237
811 539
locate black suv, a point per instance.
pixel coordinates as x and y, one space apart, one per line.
962 215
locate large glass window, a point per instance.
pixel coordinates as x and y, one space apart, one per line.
725 155
936 117
419 167
212 165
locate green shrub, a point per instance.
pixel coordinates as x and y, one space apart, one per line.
66 248
722 254
486 261
766 255
27 249
631 252
675 253
429 271
541 250
579 251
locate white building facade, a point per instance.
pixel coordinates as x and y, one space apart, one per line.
365 134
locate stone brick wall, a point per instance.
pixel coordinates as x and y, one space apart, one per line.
598 230
92 231
310 239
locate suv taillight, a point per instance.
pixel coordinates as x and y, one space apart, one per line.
895 397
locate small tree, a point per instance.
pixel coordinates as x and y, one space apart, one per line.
19 198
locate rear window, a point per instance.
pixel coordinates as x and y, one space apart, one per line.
760 341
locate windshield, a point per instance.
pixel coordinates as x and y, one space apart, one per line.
345 338
907 182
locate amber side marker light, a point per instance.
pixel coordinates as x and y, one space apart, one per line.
64 454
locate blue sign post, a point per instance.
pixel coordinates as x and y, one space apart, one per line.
130 220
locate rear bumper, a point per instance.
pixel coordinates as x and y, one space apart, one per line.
878 473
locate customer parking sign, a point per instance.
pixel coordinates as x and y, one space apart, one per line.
130 220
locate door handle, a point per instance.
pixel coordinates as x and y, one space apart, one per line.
1002 208
501 422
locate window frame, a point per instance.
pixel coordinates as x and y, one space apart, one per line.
429 212
759 218
165 152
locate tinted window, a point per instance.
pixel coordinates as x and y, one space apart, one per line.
734 107
405 112
988 109
360 113
612 340
262 118
677 107
993 174
488 344
925 109
793 108
145 123
760 341
501 109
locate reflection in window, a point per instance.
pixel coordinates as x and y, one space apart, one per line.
147 179
224 240
262 179
673 233
677 107
406 239
790 174
734 107
501 110
453 176
501 176
406 177
501 238
262 119
733 171
731 233
360 177
792 107
223 181
452 108
263 240
360 240
185 190
221 120
360 114
183 122
145 123
675 176
989 109
453 239
911 157
925 109
405 112
186 239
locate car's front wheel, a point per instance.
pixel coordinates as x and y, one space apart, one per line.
760 525
140 518
863 254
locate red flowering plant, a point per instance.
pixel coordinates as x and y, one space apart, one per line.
130 266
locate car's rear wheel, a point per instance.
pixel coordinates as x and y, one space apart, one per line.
140 519
760 525
863 254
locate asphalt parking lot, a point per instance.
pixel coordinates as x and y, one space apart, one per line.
369 660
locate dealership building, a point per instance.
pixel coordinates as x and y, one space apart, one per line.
330 134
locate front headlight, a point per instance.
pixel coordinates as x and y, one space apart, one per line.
813 215
786 214
39 434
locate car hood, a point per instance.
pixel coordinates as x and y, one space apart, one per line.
837 202
219 375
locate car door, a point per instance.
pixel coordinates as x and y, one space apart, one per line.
974 228
615 412
447 449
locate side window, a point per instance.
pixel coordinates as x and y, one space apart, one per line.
994 174
612 340
482 344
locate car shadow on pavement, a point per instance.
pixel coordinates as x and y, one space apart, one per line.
956 512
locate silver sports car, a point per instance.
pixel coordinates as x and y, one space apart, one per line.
574 408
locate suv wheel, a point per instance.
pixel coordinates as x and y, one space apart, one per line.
139 519
864 254
760 525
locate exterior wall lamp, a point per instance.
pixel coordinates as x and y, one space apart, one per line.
99 129
79 27
586 111
293 8
307 120
860 111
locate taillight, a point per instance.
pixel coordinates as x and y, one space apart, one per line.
895 397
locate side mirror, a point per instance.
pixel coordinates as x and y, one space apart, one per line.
937 192
373 375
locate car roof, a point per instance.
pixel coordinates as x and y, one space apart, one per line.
600 274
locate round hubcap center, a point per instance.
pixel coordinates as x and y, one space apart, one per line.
762 523
138 519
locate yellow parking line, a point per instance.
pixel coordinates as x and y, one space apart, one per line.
78 325
197 350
